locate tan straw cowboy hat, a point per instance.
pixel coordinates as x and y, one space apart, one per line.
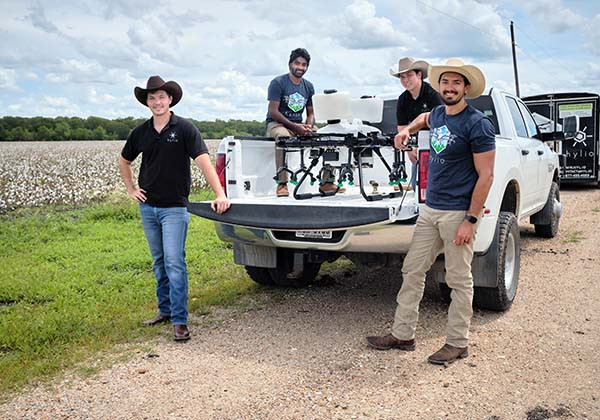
157 83
456 65
407 64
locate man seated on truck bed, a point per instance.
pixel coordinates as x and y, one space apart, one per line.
288 95
461 171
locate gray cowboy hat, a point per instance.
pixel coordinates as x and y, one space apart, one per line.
157 83
407 64
456 65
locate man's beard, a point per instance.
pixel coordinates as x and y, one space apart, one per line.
298 73
451 102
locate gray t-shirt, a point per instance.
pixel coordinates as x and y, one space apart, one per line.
292 98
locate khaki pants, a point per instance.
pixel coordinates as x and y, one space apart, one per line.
434 234
276 130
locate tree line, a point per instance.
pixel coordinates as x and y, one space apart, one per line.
96 128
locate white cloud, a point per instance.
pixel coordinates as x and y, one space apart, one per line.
58 78
443 29
361 28
553 14
7 79
94 98
156 40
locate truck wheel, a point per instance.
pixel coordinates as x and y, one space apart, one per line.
506 269
260 275
553 208
284 274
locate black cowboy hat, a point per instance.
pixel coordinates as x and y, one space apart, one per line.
157 83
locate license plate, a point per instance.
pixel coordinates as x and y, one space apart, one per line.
313 234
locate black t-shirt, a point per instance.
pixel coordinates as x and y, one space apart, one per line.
165 170
407 108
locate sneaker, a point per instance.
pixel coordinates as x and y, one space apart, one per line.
282 190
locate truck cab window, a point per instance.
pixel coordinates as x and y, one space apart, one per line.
529 121
517 118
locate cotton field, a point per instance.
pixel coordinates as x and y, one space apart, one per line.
38 173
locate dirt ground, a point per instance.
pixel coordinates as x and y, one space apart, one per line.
301 354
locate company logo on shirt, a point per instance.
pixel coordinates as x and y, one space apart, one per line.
172 137
296 102
440 138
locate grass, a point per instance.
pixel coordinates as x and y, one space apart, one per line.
77 282
596 210
574 237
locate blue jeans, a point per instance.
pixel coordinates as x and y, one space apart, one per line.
166 231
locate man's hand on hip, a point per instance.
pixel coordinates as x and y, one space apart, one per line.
138 195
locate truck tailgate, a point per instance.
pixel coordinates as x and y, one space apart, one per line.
289 214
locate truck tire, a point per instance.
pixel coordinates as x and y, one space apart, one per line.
507 243
284 274
550 230
260 275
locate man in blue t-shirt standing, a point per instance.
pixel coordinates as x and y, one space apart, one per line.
461 171
289 95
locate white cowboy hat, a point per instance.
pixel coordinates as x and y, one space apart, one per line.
407 64
456 65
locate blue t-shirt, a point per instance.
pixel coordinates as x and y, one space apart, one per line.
453 140
292 98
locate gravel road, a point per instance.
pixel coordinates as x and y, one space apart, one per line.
301 354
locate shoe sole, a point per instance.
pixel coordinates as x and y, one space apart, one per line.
447 362
402 348
182 338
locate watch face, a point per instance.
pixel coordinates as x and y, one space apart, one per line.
471 219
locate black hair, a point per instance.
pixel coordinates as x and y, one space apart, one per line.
467 83
299 52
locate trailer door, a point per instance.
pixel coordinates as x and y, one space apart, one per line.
580 147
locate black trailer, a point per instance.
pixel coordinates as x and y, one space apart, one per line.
576 114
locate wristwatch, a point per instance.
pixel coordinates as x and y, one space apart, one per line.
471 219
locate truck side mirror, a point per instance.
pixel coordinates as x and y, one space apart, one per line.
571 125
551 136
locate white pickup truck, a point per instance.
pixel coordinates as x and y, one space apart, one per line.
283 241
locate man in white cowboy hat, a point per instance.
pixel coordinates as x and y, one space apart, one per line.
418 96
461 171
167 143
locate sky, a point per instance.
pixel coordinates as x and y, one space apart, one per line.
84 57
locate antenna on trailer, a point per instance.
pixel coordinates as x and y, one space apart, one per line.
514 57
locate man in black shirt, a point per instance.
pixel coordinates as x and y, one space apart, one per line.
167 143
418 97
